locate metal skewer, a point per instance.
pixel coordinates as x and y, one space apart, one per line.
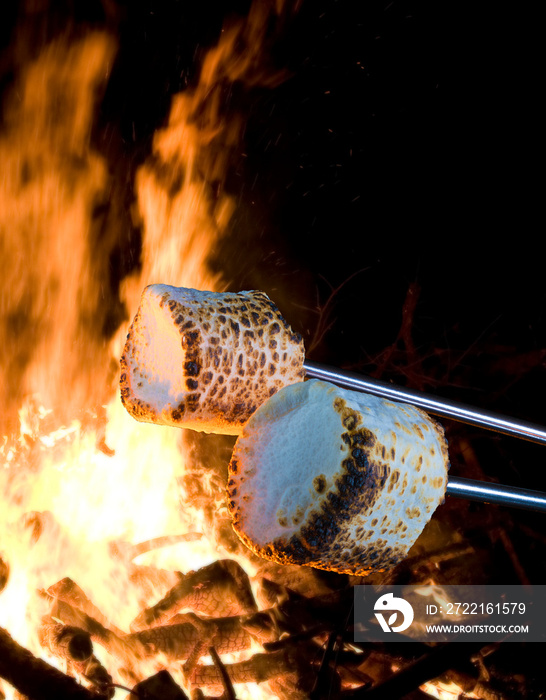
460 488
496 493
433 404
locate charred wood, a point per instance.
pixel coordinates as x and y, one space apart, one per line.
65 641
325 676
178 641
431 560
330 610
94 676
160 686
262 626
426 668
69 591
481 689
70 615
229 692
206 631
36 678
74 646
257 669
221 589
294 638
127 655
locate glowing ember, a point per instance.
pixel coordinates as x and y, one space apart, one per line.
445 691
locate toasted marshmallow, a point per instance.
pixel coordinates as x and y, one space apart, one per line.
206 361
335 479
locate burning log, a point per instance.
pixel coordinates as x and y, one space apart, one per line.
206 361
229 691
161 686
425 668
64 641
127 653
478 688
74 646
187 639
221 589
178 641
257 669
94 676
35 678
68 591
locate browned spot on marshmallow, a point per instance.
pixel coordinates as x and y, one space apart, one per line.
319 483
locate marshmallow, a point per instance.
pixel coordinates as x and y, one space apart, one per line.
335 479
204 360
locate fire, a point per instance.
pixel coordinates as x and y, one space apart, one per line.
80 476
51 180
445 691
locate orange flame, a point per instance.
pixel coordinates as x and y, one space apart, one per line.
49 185
66 500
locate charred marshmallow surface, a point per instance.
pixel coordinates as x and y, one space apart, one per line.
335 479
204 360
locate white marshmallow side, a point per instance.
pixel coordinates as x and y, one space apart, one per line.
336 479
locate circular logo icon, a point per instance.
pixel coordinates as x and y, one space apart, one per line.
387 603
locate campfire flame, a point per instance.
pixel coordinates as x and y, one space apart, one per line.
80 474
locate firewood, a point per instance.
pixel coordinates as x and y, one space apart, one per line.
257 669
229 692
206 631
94 676
178 641
326 676
65 641
478 687
69 591
36 678
262 626
127 653
161 686
219 590
409 678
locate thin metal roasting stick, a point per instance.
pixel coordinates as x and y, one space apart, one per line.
458 487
